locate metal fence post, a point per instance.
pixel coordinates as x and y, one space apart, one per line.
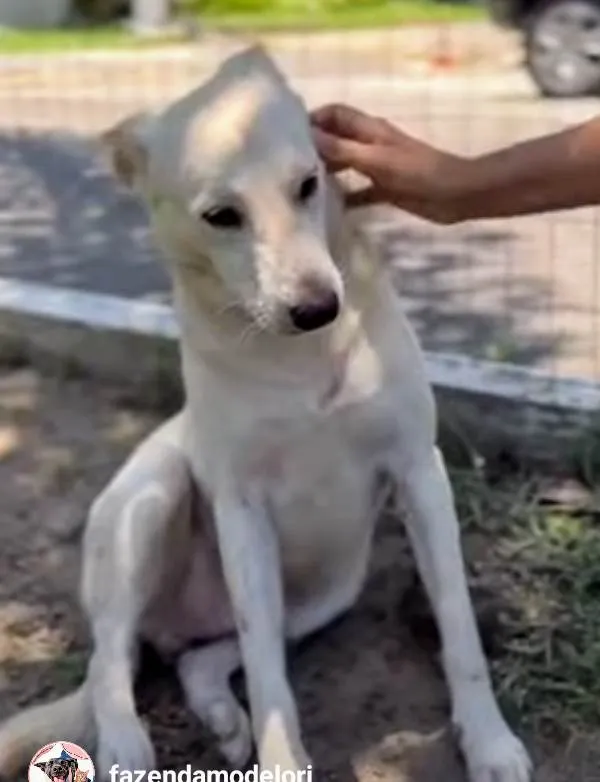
148 15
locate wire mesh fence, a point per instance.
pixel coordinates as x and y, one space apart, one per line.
520 291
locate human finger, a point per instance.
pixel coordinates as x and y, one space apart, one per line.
347 122
340 153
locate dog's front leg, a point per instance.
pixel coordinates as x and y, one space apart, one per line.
491 751
250 555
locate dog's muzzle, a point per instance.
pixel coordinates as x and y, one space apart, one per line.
57 771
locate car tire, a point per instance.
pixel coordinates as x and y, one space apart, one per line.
562 42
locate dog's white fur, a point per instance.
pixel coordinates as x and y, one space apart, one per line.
247 519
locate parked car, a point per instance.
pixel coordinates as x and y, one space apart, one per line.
562 42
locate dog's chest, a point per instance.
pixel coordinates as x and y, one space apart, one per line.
339 428
318 475
293 457
311 454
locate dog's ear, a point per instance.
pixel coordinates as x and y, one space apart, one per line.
124 148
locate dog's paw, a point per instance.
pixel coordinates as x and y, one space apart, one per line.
496 757
126 745
281 757
231 727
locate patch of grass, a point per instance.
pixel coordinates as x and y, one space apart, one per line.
76 39
68 671
270 18
347 18
586 453
547 565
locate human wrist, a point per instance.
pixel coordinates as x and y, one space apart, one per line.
478 189
459 180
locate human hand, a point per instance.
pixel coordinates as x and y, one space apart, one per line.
402 170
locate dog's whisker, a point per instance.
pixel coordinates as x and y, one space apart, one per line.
253 329
233 304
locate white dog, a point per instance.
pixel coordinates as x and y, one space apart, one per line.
247 519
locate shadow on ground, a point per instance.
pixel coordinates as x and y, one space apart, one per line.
465 293
64 222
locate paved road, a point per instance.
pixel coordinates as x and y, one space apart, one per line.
525 290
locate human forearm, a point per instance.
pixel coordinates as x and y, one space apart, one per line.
561 171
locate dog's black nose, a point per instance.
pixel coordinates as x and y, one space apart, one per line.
315 312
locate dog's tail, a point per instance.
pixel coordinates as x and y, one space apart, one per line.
69 719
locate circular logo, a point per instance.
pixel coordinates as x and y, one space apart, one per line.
61 761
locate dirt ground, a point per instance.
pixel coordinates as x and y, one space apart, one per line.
372 700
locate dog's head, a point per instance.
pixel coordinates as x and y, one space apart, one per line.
57 769
238 196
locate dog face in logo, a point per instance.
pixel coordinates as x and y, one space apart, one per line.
59 770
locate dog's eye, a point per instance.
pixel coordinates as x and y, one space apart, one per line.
224 217
308 188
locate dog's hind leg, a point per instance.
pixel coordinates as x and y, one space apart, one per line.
204 674
127 530
137 528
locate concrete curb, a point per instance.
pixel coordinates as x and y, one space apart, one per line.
495 407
